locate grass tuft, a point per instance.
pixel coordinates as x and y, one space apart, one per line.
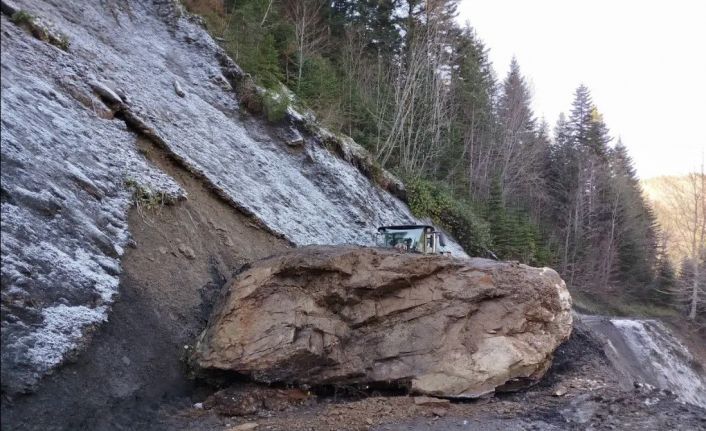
146 199
22 17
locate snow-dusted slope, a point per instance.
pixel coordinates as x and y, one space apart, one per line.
647 352
66 161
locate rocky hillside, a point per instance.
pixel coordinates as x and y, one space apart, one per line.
135 186
82 83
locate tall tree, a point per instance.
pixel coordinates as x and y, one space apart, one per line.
419 118
635 235
686 201
310 29
376 22
470 158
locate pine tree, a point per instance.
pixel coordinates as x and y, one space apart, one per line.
466 161
580 117
516 153
637 228
663 287
375 20
500 230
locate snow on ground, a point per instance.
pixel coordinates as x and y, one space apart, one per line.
664 358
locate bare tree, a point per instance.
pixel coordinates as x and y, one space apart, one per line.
419 113
686 204
309 30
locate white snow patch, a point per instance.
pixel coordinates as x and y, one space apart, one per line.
61 332
658 350
79 265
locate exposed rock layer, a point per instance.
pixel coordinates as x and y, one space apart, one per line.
444 326
72 112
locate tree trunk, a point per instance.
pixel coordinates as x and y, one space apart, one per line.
694 291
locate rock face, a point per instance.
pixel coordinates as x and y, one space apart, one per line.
441 326
645 351
71 165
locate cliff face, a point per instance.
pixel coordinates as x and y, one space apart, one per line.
73 111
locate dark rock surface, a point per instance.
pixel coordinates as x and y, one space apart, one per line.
247 400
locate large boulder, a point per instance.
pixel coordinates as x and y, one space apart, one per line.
339 315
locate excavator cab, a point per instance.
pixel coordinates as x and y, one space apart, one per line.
411 239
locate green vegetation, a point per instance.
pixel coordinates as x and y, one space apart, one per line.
63 43
275 105
22 17
418 91
29 21
433 200
479 229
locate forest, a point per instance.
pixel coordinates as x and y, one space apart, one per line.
406 81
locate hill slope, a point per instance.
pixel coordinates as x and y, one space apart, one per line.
74 107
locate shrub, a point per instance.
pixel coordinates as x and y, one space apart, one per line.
63 43
460 218
22 17
249 95
275 105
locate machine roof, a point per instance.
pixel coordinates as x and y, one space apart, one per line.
405 227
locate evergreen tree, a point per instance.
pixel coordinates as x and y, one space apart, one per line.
418 90
375 20
637 253
580 118
256 45
466 161
663 287
516 153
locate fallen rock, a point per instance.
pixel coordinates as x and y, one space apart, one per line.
439 412
178 90
248 426
560 392
341 315
108 95
292 137
187 251
250 400
431 402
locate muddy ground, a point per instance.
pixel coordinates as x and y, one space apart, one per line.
132 375
580 392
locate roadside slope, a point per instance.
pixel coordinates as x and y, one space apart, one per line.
71 166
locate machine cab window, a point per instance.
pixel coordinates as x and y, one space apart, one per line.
411 239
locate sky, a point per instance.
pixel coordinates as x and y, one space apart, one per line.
643 60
